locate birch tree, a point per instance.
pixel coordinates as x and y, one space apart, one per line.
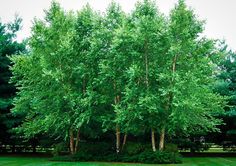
55 79
188 99
112 66
141 104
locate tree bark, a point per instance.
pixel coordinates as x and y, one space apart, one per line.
169 103
146 64
124 141
117 139
171 95
153 140
116 101
77 141
162 139
147 86
72 150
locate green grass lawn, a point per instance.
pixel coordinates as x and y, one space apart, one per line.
35 161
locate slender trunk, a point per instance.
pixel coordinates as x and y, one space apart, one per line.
169 103
72 150
117 139
174 64
171 95
162 132
153 140
147 87
116 101
146 64
77 141
124 141
162 139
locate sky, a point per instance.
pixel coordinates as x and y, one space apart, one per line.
220 15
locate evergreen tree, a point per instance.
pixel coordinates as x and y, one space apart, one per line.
226 86
8 47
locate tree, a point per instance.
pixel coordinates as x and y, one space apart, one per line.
189 101
63 81
85 69
226 86
112 65
140 107
171 75
44 78
8 47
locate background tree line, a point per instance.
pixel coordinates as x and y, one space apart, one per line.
118 76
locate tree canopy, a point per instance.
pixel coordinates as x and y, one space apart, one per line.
133 73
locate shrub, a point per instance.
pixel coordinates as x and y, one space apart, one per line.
171 148
133 148
194 146
96 149
159 157
132 153
148 157
82 156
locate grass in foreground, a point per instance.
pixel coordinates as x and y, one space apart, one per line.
36 161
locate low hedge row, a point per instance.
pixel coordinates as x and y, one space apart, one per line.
159 157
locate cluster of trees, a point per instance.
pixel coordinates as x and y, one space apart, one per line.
88 73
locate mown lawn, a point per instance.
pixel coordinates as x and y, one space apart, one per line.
36 161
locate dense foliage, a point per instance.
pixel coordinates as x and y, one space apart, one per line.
8 47
226 86
129 74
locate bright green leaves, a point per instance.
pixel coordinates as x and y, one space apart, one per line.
44 77
140 71
184 24
194 104
140 104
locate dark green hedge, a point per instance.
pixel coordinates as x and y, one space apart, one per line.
158 157
133 152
